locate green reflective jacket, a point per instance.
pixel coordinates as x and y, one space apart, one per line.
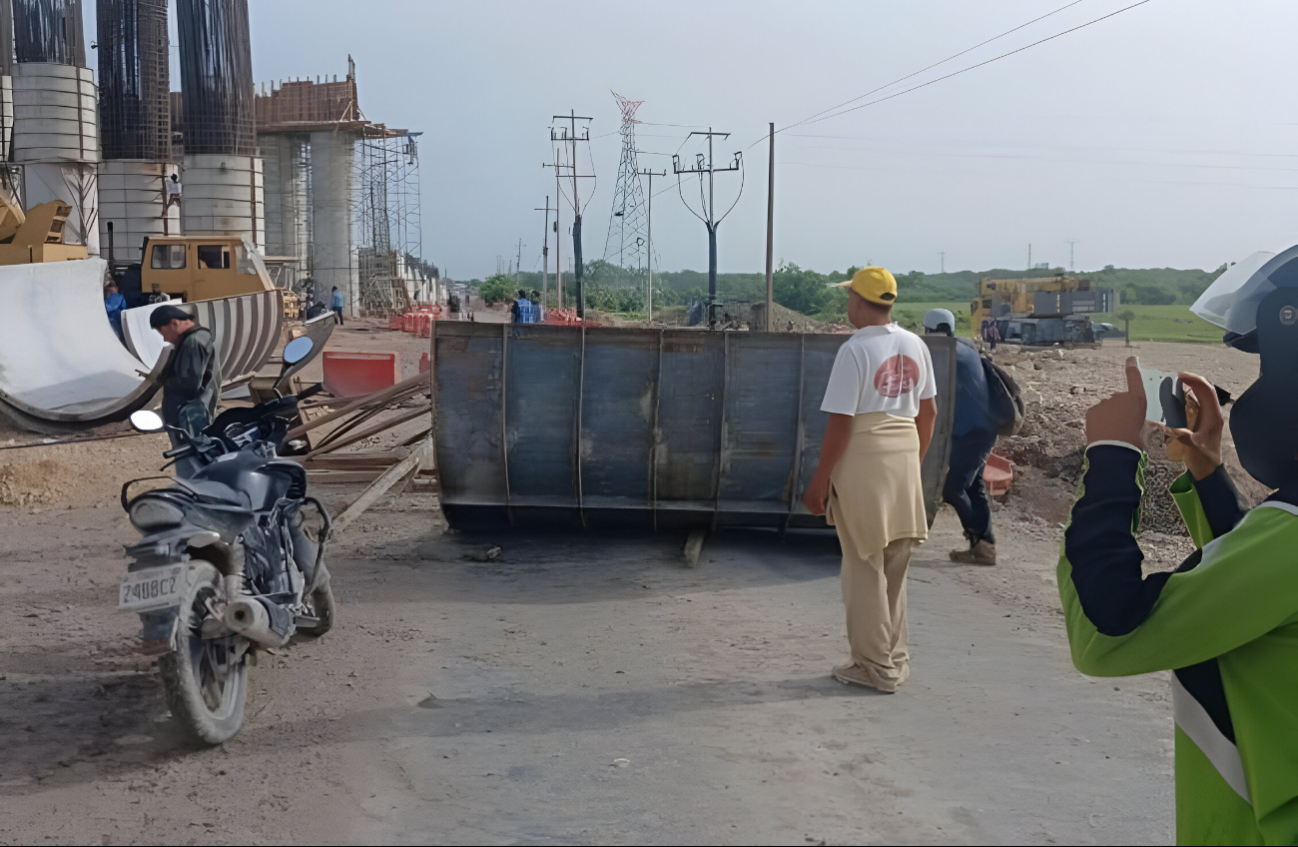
1226 623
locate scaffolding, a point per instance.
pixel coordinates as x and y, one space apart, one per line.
387 223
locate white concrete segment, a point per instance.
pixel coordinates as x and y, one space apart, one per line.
246 329
59 358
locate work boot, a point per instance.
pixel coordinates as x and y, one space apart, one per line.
853 674
983 552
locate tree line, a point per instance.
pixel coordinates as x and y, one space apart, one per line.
613 289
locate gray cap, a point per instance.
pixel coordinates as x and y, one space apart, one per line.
165 314
939 320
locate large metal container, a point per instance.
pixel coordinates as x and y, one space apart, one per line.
657 428
131 203
223 195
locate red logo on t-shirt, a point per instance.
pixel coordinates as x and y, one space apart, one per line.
896 376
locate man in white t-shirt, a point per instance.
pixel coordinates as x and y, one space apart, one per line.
881 414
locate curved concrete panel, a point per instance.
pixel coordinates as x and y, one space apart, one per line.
246 329
60 362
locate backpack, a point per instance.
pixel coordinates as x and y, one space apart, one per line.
1003 399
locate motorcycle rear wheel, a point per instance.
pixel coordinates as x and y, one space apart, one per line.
205 689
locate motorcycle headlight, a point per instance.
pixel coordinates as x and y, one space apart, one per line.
150 513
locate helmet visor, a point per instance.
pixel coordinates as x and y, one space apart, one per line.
1231 301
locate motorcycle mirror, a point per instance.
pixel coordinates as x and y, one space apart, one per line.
297 350
146 421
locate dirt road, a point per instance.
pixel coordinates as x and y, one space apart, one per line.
584 689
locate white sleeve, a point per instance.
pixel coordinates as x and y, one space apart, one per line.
843 393
930 381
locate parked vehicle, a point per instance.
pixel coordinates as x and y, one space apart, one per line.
231 560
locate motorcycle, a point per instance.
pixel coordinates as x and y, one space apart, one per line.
231 561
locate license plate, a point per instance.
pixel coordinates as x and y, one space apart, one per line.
154 588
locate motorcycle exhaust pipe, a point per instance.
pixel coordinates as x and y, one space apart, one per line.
249 618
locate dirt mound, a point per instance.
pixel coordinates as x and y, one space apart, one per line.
34 483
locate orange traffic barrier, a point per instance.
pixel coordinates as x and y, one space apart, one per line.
357 374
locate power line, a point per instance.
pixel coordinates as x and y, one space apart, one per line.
980 64
935 64
815 119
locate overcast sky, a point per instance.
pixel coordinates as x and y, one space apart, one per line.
1164 136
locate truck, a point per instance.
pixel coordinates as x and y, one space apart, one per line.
190 268
1042 310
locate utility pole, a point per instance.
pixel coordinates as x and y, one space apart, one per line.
770 237
942 253
1071 267
518 267
649 172
568 135
709 218
545 252
1029 255
558 245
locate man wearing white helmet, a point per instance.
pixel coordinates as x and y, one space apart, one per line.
973 435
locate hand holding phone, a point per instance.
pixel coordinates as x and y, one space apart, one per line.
1200 439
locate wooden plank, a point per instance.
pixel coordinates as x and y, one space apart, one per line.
363 434
380 486
404 387
694 547
425 476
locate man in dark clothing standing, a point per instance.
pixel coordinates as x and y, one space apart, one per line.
973 436
192 387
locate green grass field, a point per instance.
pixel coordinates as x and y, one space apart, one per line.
1152 323
1166 323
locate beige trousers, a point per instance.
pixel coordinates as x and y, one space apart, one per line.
874 593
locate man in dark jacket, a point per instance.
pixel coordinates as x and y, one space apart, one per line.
973 435
192 387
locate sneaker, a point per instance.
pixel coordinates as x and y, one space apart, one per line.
982 553
854 675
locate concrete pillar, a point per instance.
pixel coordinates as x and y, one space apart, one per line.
223 195
131 200
288 209
56 139
332 162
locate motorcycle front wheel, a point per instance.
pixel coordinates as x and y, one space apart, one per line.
206 679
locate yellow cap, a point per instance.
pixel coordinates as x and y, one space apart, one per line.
875 285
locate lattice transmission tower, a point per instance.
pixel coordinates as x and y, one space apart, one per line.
626 245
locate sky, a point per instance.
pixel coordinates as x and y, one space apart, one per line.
1164 136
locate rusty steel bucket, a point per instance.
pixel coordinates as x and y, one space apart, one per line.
662 428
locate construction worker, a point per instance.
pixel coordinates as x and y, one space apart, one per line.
114 303
867 484
191 389
973 435
336 303
171 191
1226 621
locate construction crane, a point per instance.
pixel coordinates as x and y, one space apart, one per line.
1042 310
